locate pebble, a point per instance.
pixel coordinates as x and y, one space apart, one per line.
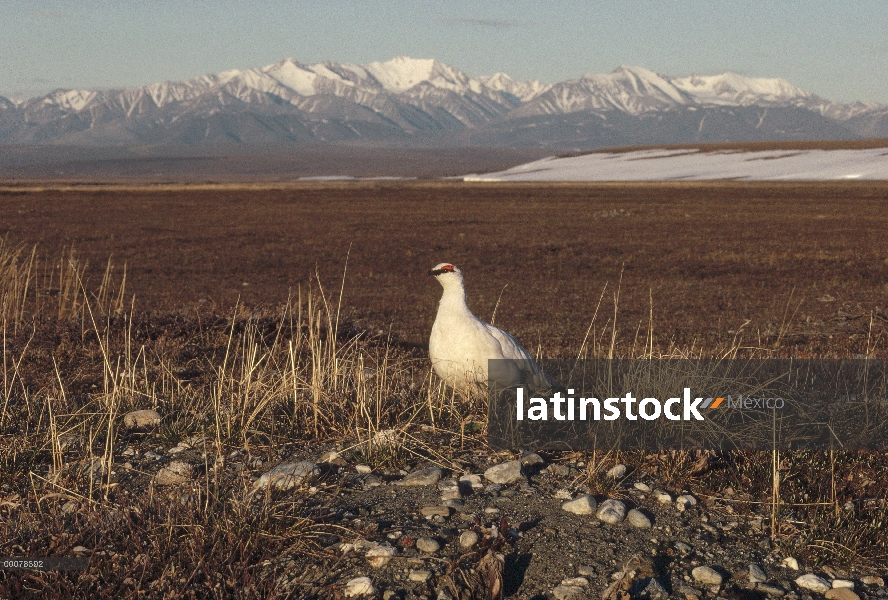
532 460
505 473
638 519
790 563
288 475
422 477
359 586
576 582
568 592
584 505
706 576
757 574
380 556
420 575
79 549
617 471
810 581
176 473
427 545
771 590
454 503
690 593
685 501
562 495
141 419
467 539
611 511
435 511
492 510
69 507
586 570
841 593
872 580
364 469
682 547
842 583
470 482
654 591
663 497
642 487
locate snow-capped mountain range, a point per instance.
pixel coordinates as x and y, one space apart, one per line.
425 102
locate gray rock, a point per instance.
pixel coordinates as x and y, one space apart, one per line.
611 511
422 477
469 483
652 590
617 471
771 590
587 571
532 460
707 576
176 473
467 539
841 593
690 593
69 507
141 419
505 473
682 547
584 505
359 586
810 581
427 545
576 582
286 476
568 592
638 519
757 574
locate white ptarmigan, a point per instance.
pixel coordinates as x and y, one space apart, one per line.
461 343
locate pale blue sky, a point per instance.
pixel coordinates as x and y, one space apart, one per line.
837 49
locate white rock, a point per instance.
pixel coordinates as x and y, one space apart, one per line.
617 472
427 545
842 583
685 501
380 556
467 539
563 495
638 519
419 575
584 505
790 563
363 469
810 581
707 576
642 487
286 476
611 511
420 478
663 497
504 473
576 582
79 549
359 586
141 419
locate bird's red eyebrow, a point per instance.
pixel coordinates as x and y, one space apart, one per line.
447 268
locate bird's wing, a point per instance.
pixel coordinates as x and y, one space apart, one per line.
512 350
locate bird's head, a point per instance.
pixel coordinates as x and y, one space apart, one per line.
446 274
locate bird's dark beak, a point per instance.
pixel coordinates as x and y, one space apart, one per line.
435 272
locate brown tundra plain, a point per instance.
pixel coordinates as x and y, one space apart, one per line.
287 323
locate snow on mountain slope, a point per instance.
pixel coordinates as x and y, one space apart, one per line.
500 82
733 89
691 164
